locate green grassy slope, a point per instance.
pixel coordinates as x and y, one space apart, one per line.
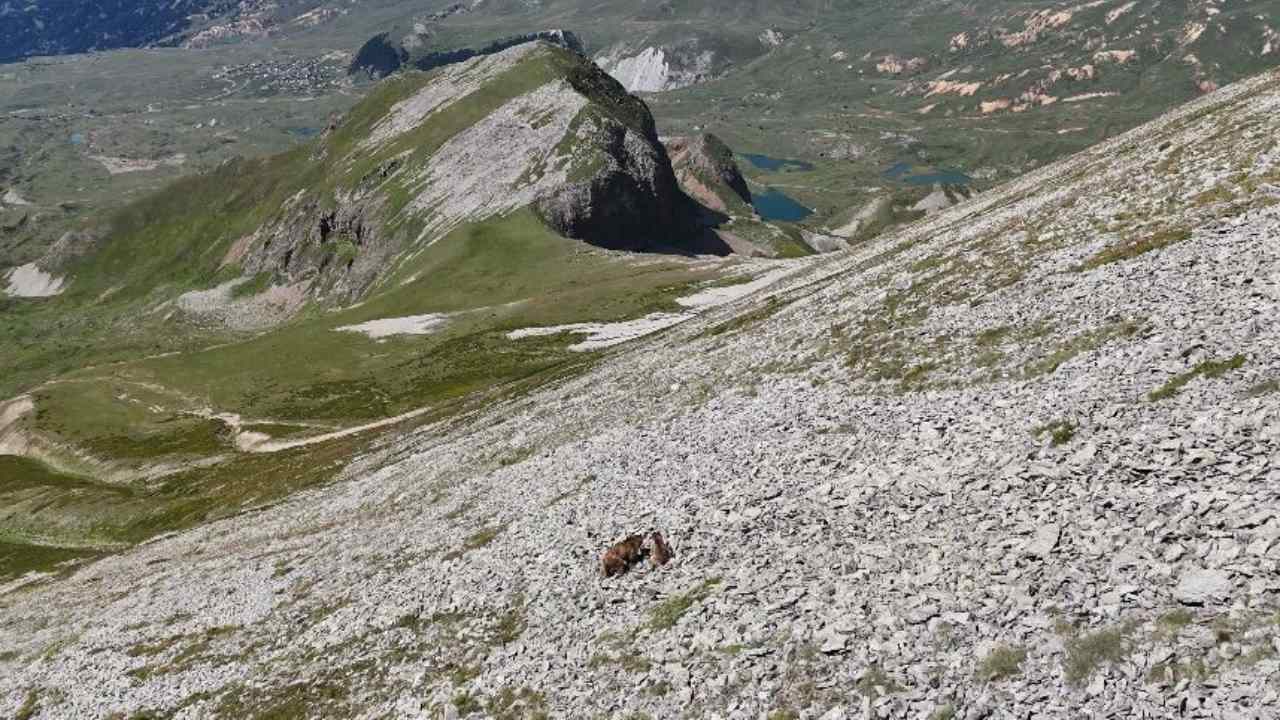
132 434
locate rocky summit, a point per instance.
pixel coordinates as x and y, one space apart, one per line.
1018 459
532 126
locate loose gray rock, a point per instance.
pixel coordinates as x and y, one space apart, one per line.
1200 586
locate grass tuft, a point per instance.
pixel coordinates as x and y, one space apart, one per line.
1128 251
1208 369
1171 623
1001 663
875 682
1269 387
1060 432
30 704
1087 653
476 541
667 613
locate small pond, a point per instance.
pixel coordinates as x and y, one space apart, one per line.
774 204
764 162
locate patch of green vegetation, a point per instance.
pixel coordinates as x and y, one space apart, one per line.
994 336
662 688
195 437
1002 663
510 625
916 374
1218 194
520 704
772 305
30 704
256 285
1060 432
1078 345
477 540
1087 653
667 613
945 712
1206 369
327 697
1132 249
516 456
875 683
345 252
1174 671
1171 623
1269 387
467 704
628 660
929 263
149 649
195 651
784 714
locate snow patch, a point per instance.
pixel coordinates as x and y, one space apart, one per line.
717 296
1090 96
30 281
604 335
390 327
13 198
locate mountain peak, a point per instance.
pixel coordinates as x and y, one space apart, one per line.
534 126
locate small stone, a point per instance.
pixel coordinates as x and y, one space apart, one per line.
1045 540
1200 586
833 642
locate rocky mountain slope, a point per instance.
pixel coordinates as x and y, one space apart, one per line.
1019 459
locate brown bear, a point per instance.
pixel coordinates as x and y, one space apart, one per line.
619 558
661 553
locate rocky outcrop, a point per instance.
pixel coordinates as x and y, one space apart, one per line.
378 57
382 56
559 136
656 68
633 198
707 171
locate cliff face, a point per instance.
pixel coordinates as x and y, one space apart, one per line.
708 172
628 198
